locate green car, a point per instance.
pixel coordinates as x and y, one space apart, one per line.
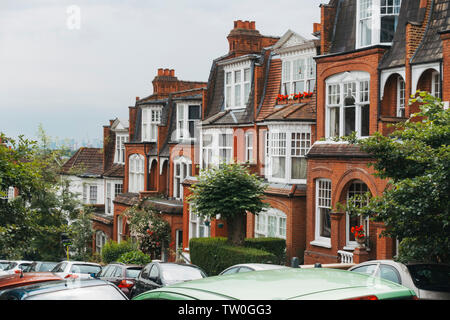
284 284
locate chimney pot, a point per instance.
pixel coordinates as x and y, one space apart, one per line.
160 72
166 72
172 72
252 25
137 98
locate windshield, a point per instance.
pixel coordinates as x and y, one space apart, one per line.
177 273
431 276
133 272
3 265
85 268
45 266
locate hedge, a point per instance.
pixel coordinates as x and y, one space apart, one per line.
112 250
214 255
135 257
276 246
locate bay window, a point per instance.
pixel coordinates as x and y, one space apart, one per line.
217 147
287 147
197 226
270 223
182 169
187 118
136 173
347 104
151 118
237 87
376 21
298 75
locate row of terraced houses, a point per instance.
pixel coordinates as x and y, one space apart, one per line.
364 60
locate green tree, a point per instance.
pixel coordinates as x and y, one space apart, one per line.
415 159
230 191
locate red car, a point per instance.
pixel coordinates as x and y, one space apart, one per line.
25 278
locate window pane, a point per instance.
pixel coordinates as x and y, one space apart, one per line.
228 78
298 170
194 112
325 227
278 167
237 95
365 120
247 74
237 76
349 118
334 122
388 26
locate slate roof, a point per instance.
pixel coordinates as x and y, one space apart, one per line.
294 112
86 162
129 199
336 150
115 171
344 30
430 49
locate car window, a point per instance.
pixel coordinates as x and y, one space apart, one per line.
24 266
104 271
367 269
85 268
181 273
132 272
154 272
145 272
231 271
389 273
118 273
244 269
104 292
431 276
3 265
110 272
46 266
60 267
11 266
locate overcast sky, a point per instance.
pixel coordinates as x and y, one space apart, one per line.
73 72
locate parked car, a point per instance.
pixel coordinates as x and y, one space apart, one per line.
429 281
42 266
81 289
246 267
290 284
80 269
4 264
159 274
23 279
120 274
16 266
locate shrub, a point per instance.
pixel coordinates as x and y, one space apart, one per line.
112 250
276 246
214 254
135 257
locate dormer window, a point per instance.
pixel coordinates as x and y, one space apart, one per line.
151 118
298 75
120 148
377 21
237 86
188 116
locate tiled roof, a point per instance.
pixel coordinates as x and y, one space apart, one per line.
85 162
430 48
272 89
129 199
295 111
116 171
165 205
336 150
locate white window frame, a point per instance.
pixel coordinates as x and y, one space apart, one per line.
136 170
306 65
119 229
262 224
197 225
183 120
151 118
100 240
249 142
336 99
234 85
93 194
282 143
214 149
435 84
119 156
185 170
108 199
350 244
401 85
373 17
323 201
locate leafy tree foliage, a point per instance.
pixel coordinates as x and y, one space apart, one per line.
230 191
416 159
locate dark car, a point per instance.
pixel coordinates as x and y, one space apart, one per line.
42 266
122 275
160 274
81 289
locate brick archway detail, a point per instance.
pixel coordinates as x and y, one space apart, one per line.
355 174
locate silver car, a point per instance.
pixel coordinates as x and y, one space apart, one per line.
246 267
429 281
77 269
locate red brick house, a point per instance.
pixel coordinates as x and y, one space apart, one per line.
153 160
374 55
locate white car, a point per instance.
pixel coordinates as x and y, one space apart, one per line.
77 269
428 280
16 266
4 264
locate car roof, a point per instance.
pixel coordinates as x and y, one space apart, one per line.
81 262
259 266
46 287
289 283
27 277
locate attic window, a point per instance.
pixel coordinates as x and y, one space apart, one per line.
151 117
237 87
377 21
298 75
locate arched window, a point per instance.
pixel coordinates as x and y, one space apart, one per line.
136 173
270 223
